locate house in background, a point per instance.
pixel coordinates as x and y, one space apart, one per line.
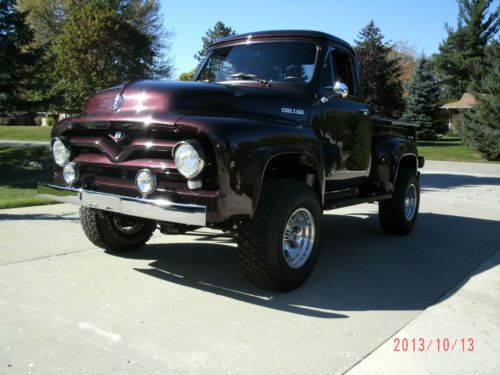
454 108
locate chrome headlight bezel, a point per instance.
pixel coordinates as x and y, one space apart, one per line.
191 151
153 181
60 152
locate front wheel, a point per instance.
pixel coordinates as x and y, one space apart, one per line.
115 232
398 214
279 246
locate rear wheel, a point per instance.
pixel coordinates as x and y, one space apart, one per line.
115 232
279 246
398 214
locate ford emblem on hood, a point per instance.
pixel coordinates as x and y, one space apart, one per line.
117 102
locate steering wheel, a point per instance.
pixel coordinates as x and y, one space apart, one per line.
293 79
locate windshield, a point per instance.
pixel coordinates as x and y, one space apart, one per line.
285 62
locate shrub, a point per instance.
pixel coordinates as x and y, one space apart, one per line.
51 121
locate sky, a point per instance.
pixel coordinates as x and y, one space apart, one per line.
420 23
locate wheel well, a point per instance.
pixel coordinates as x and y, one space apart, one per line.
407 161
295 166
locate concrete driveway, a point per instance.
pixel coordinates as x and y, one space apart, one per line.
181 306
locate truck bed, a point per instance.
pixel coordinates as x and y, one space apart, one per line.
385 127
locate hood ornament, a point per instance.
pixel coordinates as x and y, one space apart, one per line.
117 102
118 136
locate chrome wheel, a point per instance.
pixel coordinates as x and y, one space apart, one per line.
298 239
410 202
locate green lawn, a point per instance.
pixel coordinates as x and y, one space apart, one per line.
25 133
448 148
18 183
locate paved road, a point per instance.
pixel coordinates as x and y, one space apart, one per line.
180 305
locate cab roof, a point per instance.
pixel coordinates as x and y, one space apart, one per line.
285 33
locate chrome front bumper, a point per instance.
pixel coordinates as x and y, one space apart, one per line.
155 209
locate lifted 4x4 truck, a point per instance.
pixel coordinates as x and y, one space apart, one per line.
272 132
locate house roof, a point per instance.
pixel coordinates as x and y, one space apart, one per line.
466 101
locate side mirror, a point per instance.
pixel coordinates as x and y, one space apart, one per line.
340 89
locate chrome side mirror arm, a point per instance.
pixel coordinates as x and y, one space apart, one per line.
340 90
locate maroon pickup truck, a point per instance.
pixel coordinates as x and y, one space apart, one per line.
272 132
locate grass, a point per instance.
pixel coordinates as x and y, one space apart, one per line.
448 148
17 182
25 133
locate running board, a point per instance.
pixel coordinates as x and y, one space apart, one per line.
349 201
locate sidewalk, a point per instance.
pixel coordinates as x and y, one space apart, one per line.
469 311
24 143
486 169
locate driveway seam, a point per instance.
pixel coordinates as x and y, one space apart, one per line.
47 256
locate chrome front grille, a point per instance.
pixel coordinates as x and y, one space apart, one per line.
108 162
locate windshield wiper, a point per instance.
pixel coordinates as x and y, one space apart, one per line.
249 76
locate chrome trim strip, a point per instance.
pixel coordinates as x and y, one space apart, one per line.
155 209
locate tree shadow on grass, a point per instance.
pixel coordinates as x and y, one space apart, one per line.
359 268
14 175
441 142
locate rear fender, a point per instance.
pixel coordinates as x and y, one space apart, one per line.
390 155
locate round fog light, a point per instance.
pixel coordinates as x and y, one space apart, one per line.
70 173
145 181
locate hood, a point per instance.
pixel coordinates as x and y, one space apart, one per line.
167 101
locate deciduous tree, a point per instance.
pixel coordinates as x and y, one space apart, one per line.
187 76
408 58
96 49
49 19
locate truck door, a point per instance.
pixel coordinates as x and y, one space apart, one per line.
345 122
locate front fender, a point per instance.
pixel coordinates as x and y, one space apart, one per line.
243 149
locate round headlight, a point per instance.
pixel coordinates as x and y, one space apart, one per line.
145 181
70 173
188 160
60 152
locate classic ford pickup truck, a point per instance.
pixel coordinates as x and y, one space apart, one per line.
272 132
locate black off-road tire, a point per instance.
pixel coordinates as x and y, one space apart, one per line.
260 240
393 219
101 229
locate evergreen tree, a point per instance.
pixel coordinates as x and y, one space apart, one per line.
422 103
481 124
380 75
460 62
17 57
219 31
99 48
